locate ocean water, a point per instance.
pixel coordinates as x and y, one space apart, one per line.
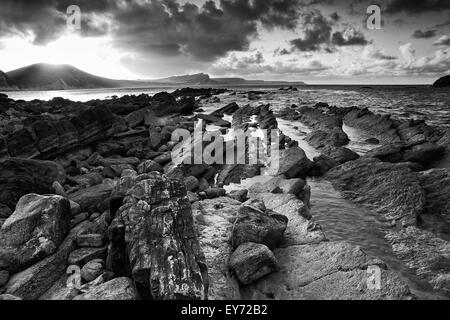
406 102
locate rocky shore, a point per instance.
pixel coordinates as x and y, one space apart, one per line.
93 207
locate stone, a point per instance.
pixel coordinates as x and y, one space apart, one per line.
326 271
116 289
33 282
392 190
335 137
59 189
340 155
424 153
164 158
79 218
293 163
19 177
35 230
89 198
301 229
5 211
90 240
91 271
149 166
229 109
252 225
83 255
215 224
63 294
215 192
191 183
75 208
425 253
8 297
160 241
251 262
4 277
239 195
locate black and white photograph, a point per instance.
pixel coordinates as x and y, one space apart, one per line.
224 155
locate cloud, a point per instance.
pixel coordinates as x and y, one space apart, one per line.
408 6
350 37
419 34
442 41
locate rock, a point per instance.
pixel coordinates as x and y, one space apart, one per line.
425 253
33 282
442 82
373 141
322 164
392 190
74 208
251 261
34 231
214 221
79 218
193 197
19 177
229 109
327 271
90 240
4 277
234 173
254 226
214 120
149 166
256 204
239 195
102 278
300 228
191 183
424 153
91 271
293 163
335 137
215 192
89 198
63 294
280 185
340 155
160 240
8 297
116 289
436 184
164 158
59 189
81 256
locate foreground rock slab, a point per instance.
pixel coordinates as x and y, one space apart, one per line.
116 289
326 271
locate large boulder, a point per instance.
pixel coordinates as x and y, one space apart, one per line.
392 190
163 251
293 163
35 230
252 261
19 177
254 225
89 198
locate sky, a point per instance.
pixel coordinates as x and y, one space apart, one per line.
318 42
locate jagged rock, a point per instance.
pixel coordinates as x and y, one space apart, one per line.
425 253
293 163
79 218
22 144
89 198
34 231
116 289
19 177
252 225
300 228
214 221
4 277
159 229
90 240
322 164
81 256
229 109
91 270
340 155
335 137
33 282
327 271
424 153
234 173
251 261
392 190
149 166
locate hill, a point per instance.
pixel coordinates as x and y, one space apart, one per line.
442 82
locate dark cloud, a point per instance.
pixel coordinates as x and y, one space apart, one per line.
416 6
419 34
350 37
319 35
